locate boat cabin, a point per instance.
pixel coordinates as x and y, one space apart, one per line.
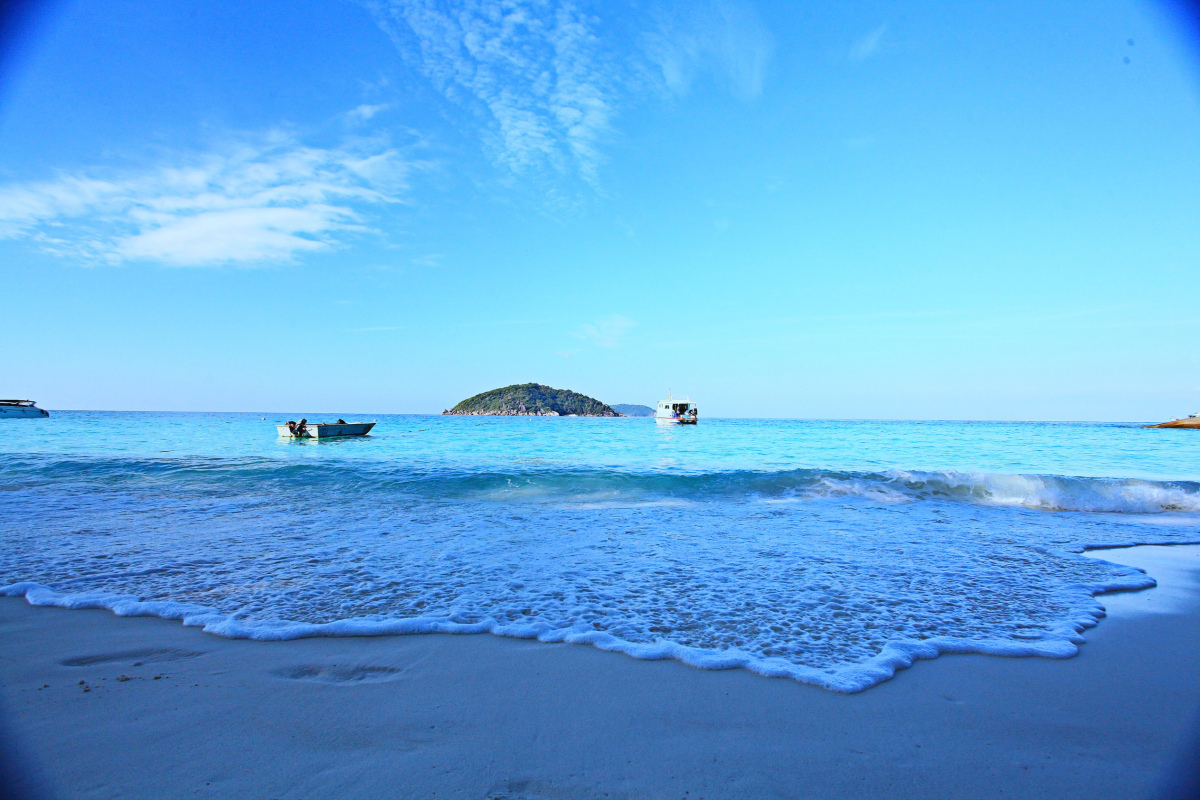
678 410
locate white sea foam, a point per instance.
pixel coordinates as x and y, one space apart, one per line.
841 603
1062 641
832 577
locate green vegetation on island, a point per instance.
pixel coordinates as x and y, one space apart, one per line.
531 400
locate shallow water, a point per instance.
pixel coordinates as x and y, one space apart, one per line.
831 552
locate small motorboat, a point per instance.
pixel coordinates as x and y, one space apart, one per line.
323 430
12 409
676 410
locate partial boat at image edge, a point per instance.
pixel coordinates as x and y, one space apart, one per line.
13 409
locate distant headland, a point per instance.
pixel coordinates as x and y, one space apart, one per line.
629 410
532 400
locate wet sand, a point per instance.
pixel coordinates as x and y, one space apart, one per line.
144 708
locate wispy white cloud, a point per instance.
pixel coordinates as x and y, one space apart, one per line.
365 112
430 260
268 199
720 37
546 80
868 44
531 68
606 332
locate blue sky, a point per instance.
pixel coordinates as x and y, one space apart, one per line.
877 210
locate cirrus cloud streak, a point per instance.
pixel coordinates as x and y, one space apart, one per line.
544 80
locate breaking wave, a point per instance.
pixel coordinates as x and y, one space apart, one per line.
832 577
1046 492
540 484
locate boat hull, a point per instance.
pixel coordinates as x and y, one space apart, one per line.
20 412
677 420
315 430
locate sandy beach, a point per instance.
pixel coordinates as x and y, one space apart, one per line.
624 400
145 708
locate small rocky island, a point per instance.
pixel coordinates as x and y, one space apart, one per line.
531 400
1187 422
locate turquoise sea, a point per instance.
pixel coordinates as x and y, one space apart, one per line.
830 552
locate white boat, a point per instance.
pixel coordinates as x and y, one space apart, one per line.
323 430
11 409
676 411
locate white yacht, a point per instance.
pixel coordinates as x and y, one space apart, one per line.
676 410
11 409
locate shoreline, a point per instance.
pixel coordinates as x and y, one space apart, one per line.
489 717
848 679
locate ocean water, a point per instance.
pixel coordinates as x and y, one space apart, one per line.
833 553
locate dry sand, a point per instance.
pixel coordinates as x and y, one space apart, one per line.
144 708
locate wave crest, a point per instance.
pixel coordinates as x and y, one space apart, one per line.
1052 492
1041 492
598 486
